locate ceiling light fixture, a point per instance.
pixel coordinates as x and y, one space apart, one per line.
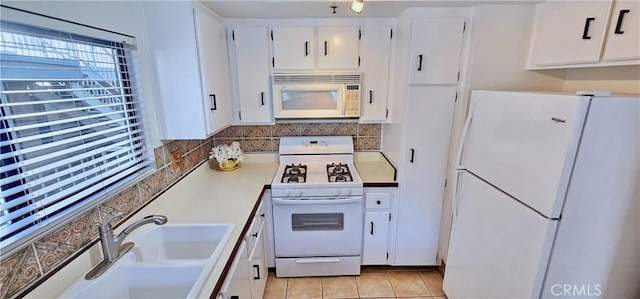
357 5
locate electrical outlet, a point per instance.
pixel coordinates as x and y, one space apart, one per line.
176 159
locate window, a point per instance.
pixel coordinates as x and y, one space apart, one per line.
70 125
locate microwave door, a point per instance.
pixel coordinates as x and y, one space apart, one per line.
309 101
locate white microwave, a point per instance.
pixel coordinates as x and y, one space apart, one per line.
316 95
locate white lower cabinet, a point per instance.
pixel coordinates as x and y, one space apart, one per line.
247 277
379 225
237 284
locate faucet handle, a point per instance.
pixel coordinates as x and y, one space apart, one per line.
106 226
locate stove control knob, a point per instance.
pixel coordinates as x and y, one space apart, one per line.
336 192
348 191
299 193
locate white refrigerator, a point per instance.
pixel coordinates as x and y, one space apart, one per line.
546 202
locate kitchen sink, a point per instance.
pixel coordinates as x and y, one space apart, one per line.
179 242
142 281
168 261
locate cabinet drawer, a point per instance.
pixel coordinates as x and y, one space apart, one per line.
377 201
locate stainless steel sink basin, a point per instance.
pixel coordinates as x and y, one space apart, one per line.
169 261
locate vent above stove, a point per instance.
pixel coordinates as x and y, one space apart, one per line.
316 78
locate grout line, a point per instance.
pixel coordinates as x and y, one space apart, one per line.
35 254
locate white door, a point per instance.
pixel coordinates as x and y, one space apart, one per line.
214 69
374 63
338 48
376 238
238 283
498 248
252 62
569 32
525 144
423 171
258 263
623 39
436 44
293 48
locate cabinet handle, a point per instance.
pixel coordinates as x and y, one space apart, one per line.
619 24
372 228
262 215
585 33
306 48
257 267
255 235
235 297
325 48
213 102
370 96
262 98
412 154
378 202
420 62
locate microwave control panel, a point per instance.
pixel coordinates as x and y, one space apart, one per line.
352 101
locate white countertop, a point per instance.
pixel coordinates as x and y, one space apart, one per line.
209 196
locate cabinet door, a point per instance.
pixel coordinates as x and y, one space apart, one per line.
569 32
252 66
173 52
293 48
423 172
374 63
376 238
214 69
258 264
436 45
237 283
623 40
338 48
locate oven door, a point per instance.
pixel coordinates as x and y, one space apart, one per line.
318 227
308 100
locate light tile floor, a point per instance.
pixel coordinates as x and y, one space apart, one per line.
372 283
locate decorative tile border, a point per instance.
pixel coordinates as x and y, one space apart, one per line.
30 264
255 139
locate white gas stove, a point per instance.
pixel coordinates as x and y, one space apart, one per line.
316 166
317 207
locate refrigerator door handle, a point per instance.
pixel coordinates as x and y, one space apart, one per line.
463 137
454 202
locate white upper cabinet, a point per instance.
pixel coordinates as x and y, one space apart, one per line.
299 48
569 32
375 54
293 48
188 51
623 39
338 48
436 44
214 70
251 47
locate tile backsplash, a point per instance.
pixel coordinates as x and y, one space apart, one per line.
366 137
33 262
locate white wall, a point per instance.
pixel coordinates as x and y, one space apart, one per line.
500 37
617 79
119 16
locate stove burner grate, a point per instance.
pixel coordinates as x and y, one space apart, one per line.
294 174
338 173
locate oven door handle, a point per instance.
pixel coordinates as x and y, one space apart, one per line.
337 200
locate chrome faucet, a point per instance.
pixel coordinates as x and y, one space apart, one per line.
112 247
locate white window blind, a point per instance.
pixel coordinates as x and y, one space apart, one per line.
70 125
